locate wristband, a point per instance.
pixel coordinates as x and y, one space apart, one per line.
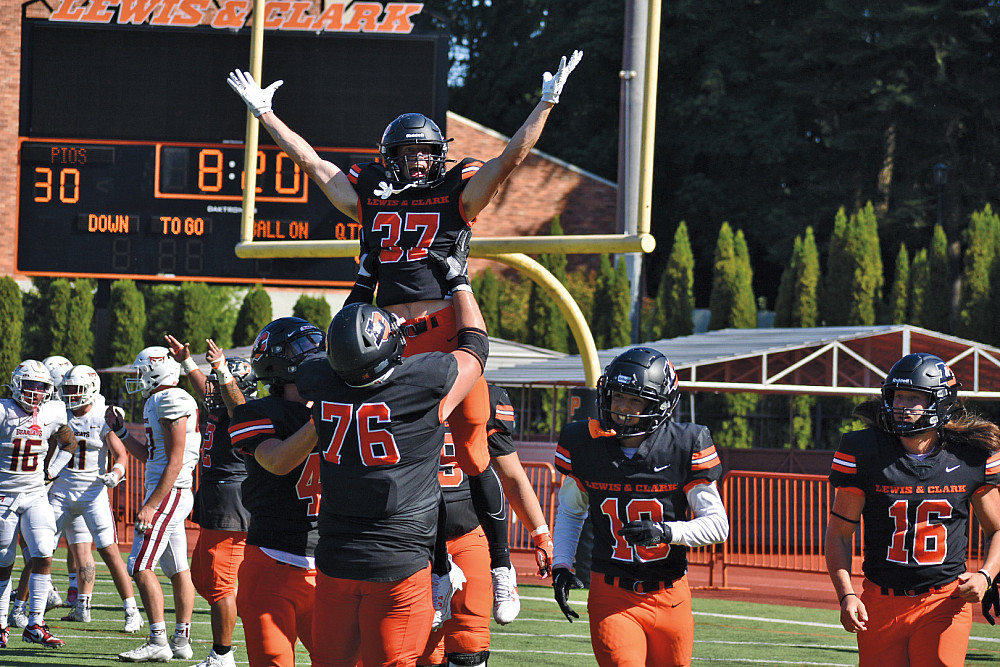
118 466
122 433
544 528
224 374
188 365
989 579
847 595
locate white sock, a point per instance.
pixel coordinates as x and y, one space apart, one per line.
158 633
83 601
4 601
182 630
129 603
39 586
72 580
20 605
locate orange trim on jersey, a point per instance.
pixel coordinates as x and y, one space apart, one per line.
851 489
695 482
563 460
705 459
469 170
353 173
993 464
844 463
249 429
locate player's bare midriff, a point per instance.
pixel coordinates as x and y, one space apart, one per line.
409 311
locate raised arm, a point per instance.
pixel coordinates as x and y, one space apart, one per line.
327 175
485 183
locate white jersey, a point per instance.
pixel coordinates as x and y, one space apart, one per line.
91 455
24 441
172 403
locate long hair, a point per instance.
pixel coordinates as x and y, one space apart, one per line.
966 430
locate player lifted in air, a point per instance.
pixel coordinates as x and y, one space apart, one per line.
409 203
170 419
28 423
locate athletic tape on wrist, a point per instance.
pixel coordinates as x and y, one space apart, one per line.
188 365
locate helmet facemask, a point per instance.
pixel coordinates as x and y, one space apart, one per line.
153 367
929 376
243 376
413 129
643 373
31 384
405 169
81 386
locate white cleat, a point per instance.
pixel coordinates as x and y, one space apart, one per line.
79 614
506 602
148 652
19 619
181 647
443 588
133 620
54 600
216 660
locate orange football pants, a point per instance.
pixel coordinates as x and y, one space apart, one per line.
215 563
468 421
641 629
929 630
275 603
378 623
468 629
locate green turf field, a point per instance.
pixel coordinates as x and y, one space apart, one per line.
726 633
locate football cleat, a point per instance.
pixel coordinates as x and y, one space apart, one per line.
18 618
80 614
71 595
54 600
133 620
148 652
39 634
443 588
506 603
180 647
216 660
4 637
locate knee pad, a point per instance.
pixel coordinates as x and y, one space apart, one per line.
468 659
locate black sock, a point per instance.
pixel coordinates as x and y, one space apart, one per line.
441 566
220 649
491 510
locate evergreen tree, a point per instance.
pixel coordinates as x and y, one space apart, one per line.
620 331
783 302
59 324
12 315
920 278
580 284
805 302
254 315
79 338
983 243
937 312
222 299
487 290
732 302
161 302
514 297
675 296
854 278
315 310
834 307
600 318
546 325
126 324
899 295
194 311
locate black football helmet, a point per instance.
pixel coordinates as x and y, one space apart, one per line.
408 129
926 374
243 376
282 346
366 344
641 372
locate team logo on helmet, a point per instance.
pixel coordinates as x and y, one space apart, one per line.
260 345
378 328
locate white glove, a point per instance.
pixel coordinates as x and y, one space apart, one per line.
112 479
258 100
553 85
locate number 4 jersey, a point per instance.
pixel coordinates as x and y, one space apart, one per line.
24 440
916 512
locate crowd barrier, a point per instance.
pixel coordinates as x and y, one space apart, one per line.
777 520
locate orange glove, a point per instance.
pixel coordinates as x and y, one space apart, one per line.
543 552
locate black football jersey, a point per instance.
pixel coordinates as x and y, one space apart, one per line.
219 461
283 509
379 461
653 484
403 226
916 514
455 485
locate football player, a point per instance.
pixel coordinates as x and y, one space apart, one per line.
29 421
282 493
171 450
218 504
637 475
912 474
408 202
380 419
464 638
80 493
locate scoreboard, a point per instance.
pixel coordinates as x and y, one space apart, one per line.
131 148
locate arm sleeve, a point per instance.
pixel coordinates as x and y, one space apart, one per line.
572 512
710 524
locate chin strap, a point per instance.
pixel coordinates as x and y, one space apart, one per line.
384 190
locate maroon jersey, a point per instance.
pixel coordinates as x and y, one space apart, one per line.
283 508
653 484
455 485
379 461
402 226
916 514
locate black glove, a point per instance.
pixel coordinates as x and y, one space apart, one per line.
645 533
367 278
562 581
991 601
455 266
